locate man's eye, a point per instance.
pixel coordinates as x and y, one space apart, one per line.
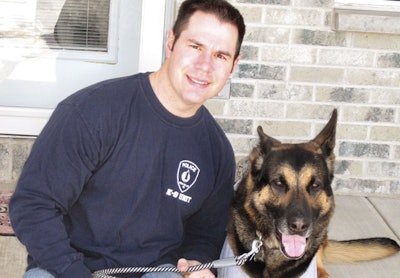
194 46
222 57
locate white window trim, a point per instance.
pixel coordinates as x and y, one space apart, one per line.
366 16
23 121
367 6
30 121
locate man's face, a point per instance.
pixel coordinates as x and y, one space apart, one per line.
202 59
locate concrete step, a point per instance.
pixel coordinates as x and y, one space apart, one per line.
360 217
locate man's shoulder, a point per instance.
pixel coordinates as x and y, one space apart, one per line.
106 90
105 101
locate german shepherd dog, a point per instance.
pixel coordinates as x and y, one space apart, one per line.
286 201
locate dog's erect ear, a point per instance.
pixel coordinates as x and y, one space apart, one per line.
326 138
265 144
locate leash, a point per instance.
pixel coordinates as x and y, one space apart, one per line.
234 261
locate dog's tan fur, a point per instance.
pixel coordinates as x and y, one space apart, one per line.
287 193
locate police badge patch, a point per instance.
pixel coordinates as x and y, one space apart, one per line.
187 174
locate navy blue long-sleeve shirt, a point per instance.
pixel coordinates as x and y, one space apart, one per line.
115 180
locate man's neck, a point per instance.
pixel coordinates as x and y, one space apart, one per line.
165 94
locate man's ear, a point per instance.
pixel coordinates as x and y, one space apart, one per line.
170 42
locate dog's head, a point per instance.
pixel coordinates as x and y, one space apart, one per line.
291 188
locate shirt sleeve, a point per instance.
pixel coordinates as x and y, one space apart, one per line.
61 161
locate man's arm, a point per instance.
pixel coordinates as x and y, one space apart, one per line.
51 181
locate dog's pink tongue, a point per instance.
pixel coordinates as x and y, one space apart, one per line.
294 245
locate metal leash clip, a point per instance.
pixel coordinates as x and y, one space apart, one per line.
255 248
239 260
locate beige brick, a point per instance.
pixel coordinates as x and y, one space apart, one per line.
20 152
261 71
249 52
374 168
352 132
290 16
340 94
383 169
242 145
368 114
361 185
389 60
288 54
310 111
398 116
376 96
396 153
236 126
343 57
242 90
284 129
5 162
319 37
386 96
283 92
385 133
251 14
313 3
376 41
215 106
254 109
267 35
349 167
316 75
364 77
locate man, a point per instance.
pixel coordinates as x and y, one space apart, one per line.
134 171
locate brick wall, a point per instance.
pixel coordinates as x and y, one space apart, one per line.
295 69
13 153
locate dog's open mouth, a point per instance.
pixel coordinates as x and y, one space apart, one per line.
293 246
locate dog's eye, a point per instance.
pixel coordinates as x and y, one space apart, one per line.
279 185
315 185
279 182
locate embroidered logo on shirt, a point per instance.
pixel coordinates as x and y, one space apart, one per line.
186 177
187 174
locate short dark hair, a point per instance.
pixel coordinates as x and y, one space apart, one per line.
223 10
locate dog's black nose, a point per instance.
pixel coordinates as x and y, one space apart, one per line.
298 225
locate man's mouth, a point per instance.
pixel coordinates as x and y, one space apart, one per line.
198 81
293 246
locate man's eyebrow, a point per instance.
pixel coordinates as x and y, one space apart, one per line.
196 42
225 53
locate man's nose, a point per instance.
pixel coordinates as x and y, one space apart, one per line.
204 61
